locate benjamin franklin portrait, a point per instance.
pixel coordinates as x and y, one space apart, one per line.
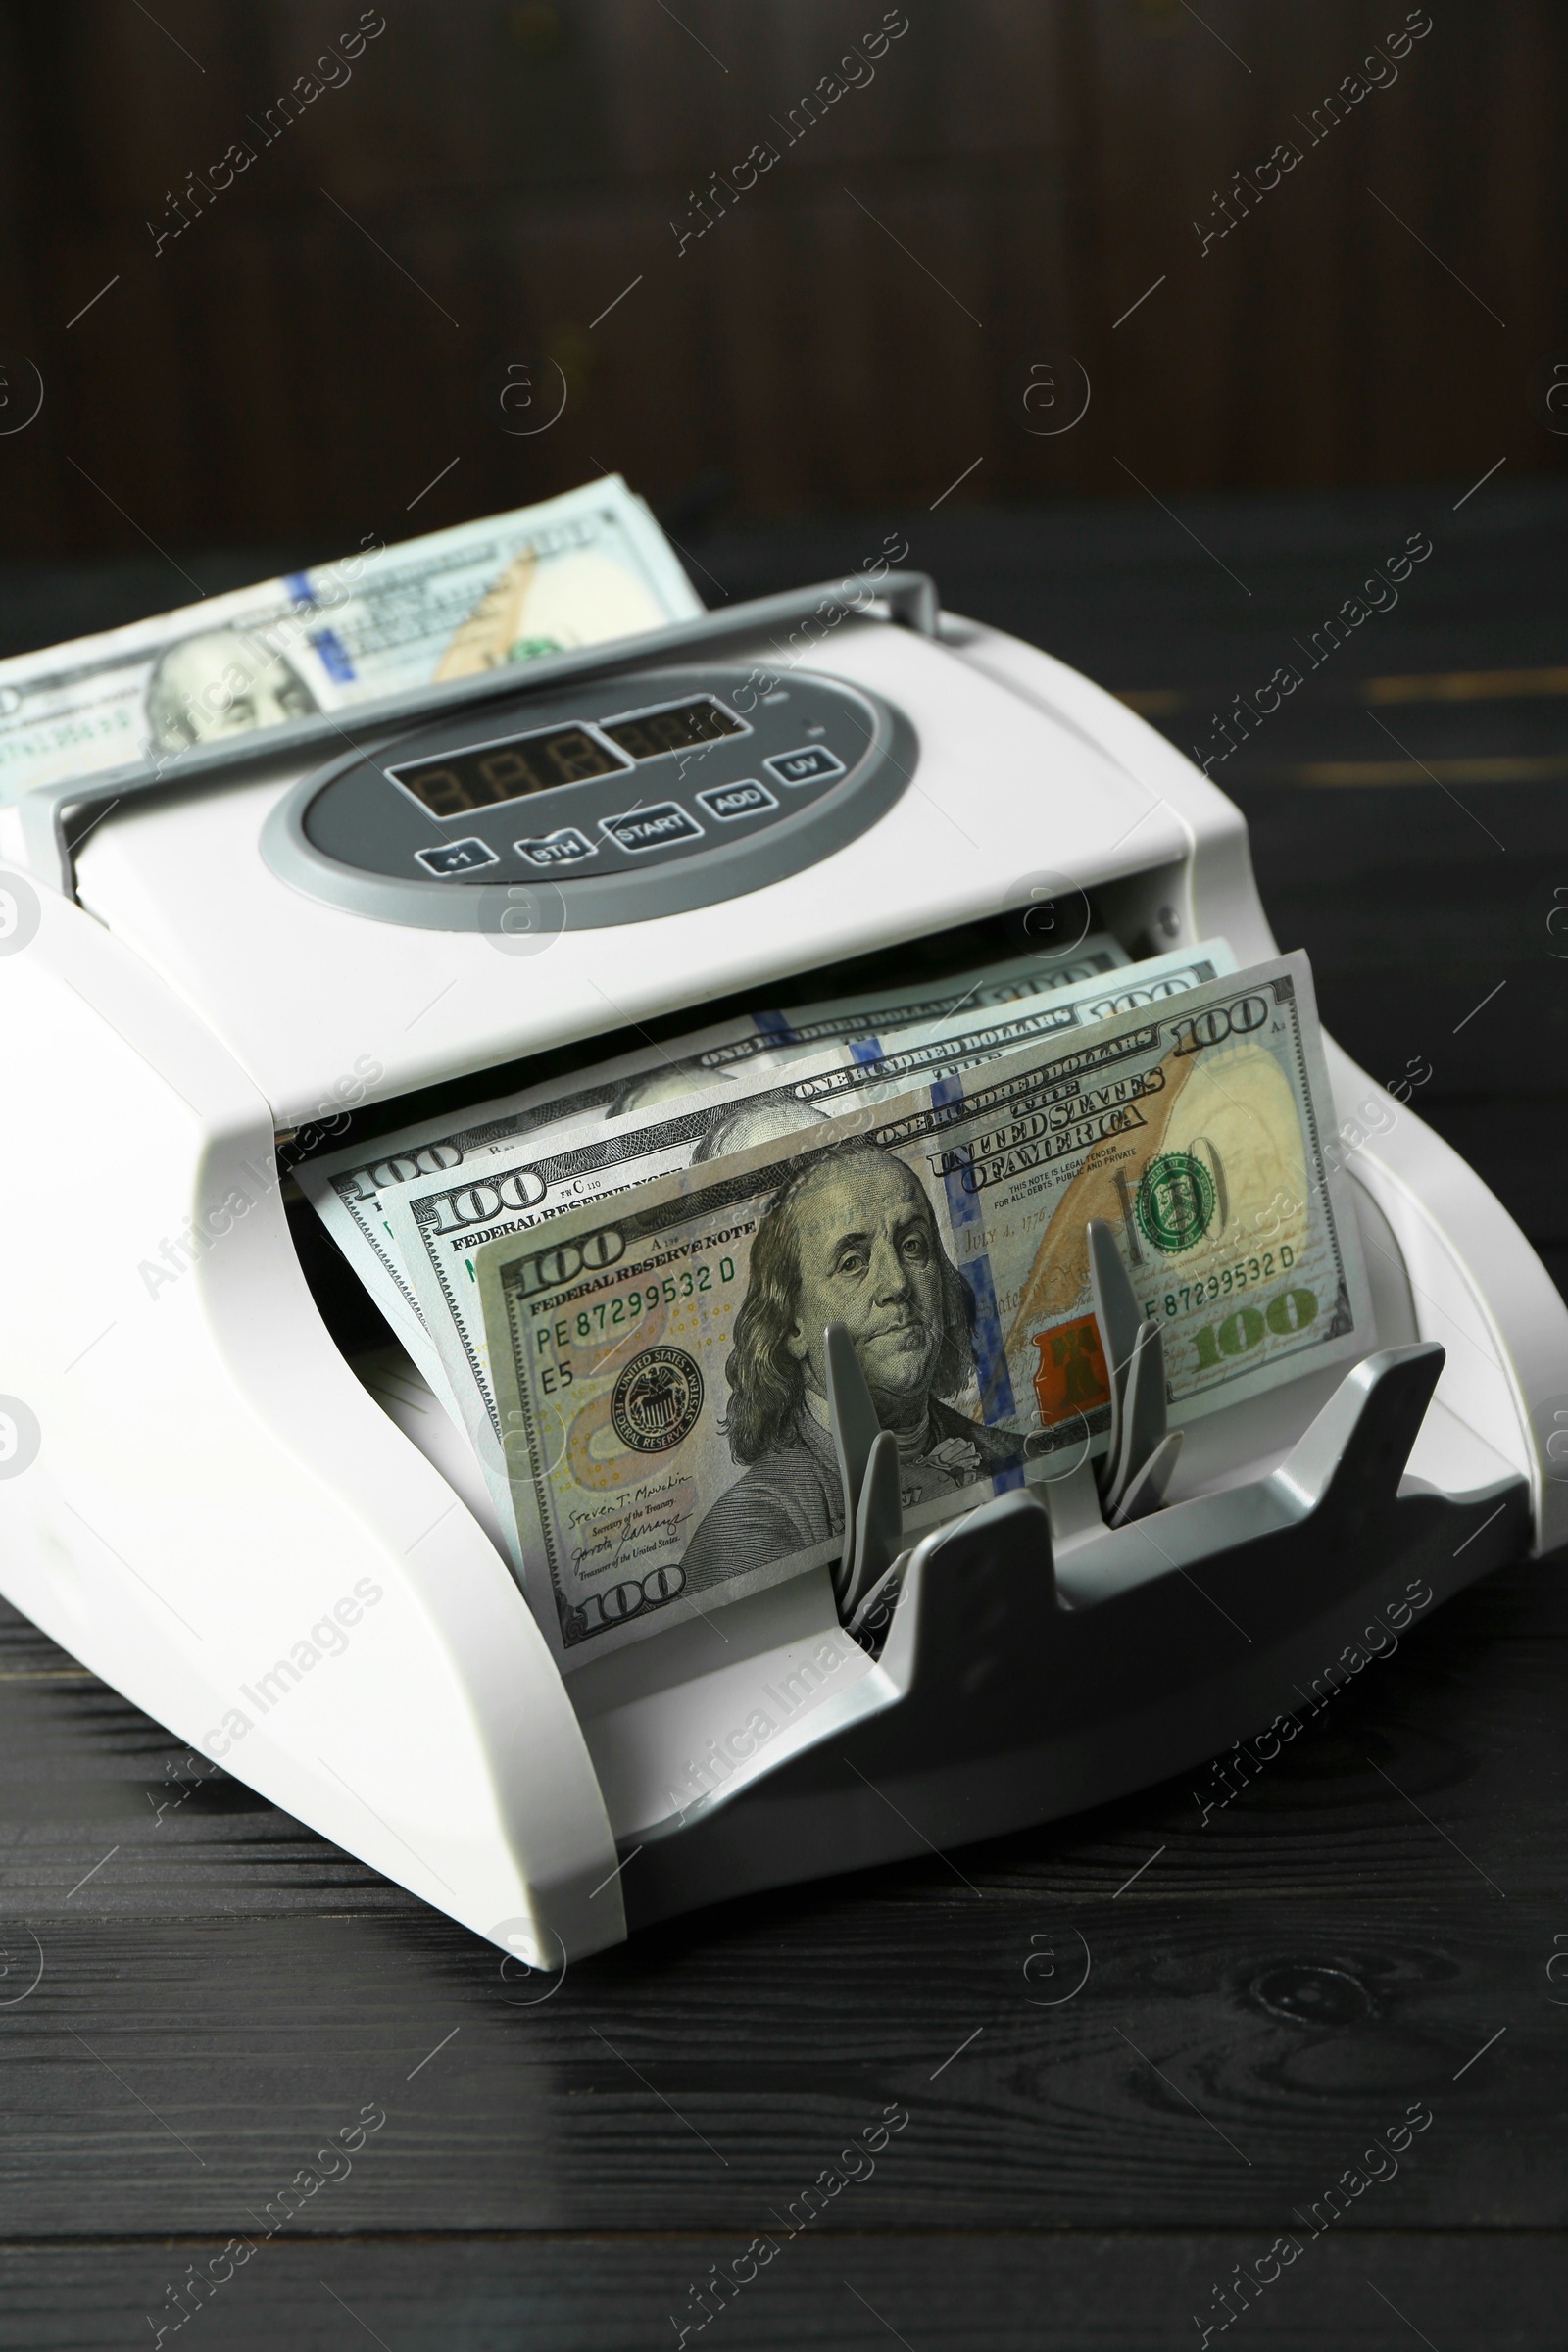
850 1239
221 682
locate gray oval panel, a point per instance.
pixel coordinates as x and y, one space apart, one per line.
638 794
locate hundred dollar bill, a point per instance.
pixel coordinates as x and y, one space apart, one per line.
432 1228
657 1357
588 565
716 1055
350 1188
939 1048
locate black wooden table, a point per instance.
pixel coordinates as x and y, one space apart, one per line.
1130 2052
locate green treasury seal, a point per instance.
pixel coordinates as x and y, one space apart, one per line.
1175 1201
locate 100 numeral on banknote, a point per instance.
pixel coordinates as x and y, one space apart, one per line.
658 1356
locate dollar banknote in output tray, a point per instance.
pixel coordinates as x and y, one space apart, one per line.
355 1190
413 1228
657 1357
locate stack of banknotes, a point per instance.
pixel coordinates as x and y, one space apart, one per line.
573 571
618 1283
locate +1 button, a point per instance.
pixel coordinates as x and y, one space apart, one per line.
456 857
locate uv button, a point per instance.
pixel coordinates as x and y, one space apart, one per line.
652 828
811 764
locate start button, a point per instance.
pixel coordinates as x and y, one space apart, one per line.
652 828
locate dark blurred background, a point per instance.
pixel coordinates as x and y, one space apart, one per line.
296 363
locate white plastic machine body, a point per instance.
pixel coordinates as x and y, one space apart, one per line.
209 1479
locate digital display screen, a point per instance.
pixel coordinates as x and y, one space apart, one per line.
673 730
457 783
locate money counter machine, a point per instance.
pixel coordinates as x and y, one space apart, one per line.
214 967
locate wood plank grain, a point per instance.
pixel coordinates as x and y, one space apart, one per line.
1050 165
1267 1975
860 2288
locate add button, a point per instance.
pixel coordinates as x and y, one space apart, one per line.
726 801
652 828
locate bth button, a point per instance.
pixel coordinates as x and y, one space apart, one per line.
568 847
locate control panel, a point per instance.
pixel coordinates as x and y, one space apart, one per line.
614 799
